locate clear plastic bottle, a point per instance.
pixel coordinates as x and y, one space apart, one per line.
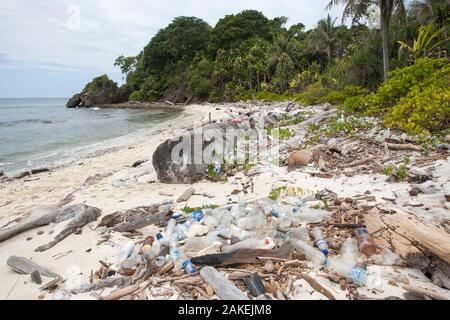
365 242
349 250
251 221
321 243
160 261
126 251
310 252
164 208
347 270
171 226
311 215
266 243
299 233
196 244
188 266
284 221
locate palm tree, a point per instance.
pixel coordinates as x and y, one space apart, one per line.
358 9
325 36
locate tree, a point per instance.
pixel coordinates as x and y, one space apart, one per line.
358 9
232 30
325 36
126 64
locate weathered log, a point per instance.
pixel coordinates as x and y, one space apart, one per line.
243 256
82 215
121 218
406 146
408 234
24 266
224 288
38 217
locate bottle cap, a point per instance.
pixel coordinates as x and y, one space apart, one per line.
159 236
325 252
360 231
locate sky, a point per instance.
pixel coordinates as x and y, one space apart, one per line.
52 48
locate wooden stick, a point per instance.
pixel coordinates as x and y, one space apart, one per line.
318 287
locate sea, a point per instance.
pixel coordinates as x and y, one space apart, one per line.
36 133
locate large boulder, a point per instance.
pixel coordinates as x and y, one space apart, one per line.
75 101
99 91
184 158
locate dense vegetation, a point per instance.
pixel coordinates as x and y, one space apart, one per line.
248 56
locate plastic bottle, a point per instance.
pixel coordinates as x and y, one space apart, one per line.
284 221
196 244
196 215
171 226
347 270
310 215
266 243
321 243
126 251
160 261
349 250
251 222
299 233
182 229
188 266
365 242
163 241
154 250
310 252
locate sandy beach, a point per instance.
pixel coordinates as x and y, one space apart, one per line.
119 186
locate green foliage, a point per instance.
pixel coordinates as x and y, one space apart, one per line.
187 209
426 107
388 170
135 96
199 77
99 83
312 95
402 172
283 133
275 193
400 82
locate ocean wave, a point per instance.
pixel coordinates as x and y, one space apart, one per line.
16 122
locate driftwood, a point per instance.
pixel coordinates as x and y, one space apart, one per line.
24 266
186 194
82 215
223 287
410 236
243 256
120 293
132 219
406 146
318 287
436 293
38 217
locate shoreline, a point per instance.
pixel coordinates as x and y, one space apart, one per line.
64 157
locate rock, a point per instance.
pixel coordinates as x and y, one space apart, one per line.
36 171
414 192
178 161
100 91
298 159
40 232
268 266
165 193
2 173
75 101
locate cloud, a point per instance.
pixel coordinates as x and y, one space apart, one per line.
45 34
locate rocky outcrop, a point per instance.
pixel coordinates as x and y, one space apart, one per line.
100 91
178 160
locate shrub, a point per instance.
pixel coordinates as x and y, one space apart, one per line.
313 94
426 108
135 96
400 83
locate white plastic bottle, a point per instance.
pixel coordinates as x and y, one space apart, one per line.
321 243
266 243
310 252
126 251
347 270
